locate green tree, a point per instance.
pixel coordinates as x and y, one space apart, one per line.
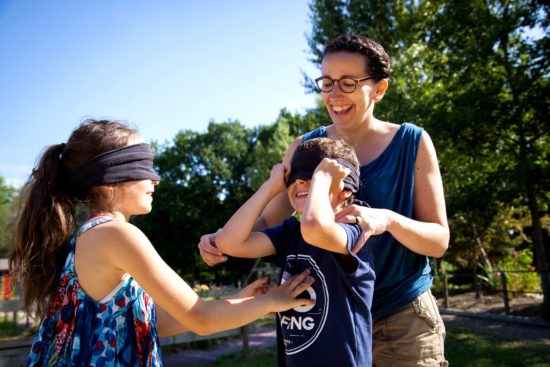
499 107
203 180
7 205
474 75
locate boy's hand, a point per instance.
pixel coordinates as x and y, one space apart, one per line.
335 171
277 178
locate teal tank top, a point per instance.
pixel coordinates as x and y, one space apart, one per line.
388 182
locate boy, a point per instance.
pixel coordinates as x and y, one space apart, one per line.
337 330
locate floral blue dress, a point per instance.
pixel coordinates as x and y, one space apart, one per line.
120 330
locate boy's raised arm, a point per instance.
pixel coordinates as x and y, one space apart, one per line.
317 223
237 238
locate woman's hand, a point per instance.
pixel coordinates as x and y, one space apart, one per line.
372 222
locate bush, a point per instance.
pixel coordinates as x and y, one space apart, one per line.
519 271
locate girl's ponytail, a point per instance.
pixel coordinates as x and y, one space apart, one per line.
46 219
47 216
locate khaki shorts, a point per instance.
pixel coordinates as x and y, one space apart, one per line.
413 336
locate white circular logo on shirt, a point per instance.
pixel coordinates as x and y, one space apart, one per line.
302 325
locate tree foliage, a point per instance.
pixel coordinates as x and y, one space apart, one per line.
8 197
205 177
474 73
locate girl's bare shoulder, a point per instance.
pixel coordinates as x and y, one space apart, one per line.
112 234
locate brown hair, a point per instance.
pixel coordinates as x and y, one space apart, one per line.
47 216
333 148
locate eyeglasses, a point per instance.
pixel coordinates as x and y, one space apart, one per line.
346 85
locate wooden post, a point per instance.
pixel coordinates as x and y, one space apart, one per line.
445 290
245 331
504 292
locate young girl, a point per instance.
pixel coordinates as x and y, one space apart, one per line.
95 292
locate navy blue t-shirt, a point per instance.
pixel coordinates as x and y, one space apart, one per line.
388 182
337 330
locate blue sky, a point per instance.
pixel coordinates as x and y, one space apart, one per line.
163 65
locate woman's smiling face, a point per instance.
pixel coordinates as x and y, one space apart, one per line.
347 110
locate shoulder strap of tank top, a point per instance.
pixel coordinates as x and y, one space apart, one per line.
320 132
95 221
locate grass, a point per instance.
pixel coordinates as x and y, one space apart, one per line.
251 358
466 348
462 348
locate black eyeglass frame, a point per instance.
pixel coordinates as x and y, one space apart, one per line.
337 81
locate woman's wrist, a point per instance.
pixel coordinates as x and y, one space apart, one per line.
391 220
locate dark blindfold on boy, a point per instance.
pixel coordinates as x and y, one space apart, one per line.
303 165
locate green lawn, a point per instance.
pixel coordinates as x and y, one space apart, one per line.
463 348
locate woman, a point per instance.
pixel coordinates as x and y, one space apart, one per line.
402 183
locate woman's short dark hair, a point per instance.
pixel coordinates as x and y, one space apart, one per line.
378 61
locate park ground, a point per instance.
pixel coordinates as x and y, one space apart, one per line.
485 315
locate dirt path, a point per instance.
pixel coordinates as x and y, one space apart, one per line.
261 337
536 333
485 315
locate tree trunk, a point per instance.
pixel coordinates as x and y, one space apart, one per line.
540 255
530 191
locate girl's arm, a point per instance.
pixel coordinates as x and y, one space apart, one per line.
170 326
317 223
426 234
237 237
131 251
166 324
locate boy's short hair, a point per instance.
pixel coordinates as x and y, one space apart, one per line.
378 61
332 148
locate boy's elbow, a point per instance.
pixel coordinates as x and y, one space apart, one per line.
229 245
222 242
312 229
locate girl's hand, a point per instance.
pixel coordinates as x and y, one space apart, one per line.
335 171
283 297
372 222
257 287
